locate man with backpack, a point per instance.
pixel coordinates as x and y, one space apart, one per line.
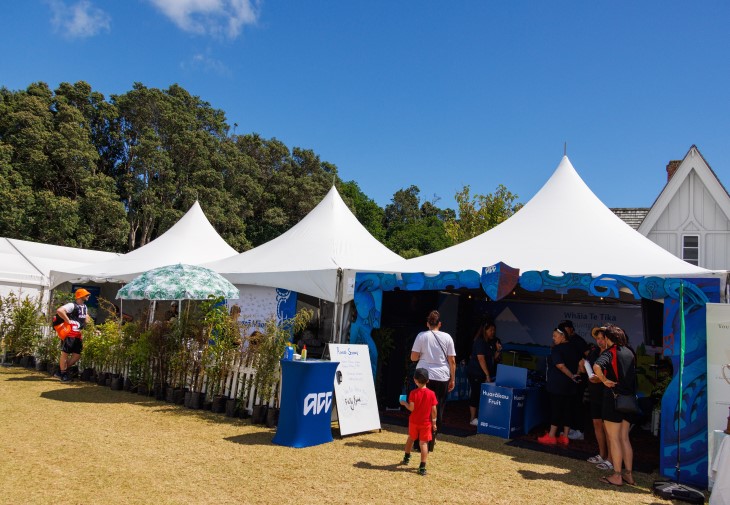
75 315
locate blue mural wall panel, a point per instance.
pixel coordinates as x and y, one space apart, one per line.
687 426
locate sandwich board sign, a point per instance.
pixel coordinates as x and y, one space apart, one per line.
357 408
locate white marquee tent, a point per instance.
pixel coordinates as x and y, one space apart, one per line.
563 228
192 240
25 267
310 257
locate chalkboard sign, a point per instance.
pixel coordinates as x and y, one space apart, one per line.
357 408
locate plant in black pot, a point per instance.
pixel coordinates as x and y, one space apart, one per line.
23 326
267 349
47 352
223 342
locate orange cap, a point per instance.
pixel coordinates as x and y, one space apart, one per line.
80 293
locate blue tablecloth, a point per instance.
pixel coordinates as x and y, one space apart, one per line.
307 396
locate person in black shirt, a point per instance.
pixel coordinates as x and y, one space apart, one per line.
595 397
616 369
485 354
577 408
561 384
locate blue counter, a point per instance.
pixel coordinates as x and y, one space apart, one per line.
307 395
510 408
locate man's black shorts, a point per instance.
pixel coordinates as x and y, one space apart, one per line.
72 345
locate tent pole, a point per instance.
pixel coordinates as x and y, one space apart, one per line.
337 312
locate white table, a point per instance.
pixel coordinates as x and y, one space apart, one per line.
720 468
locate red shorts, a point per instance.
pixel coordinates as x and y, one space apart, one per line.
420 432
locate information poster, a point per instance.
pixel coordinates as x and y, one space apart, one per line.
718 365
357 407
258 304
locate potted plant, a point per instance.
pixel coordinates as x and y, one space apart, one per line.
24 322
267 352
223 335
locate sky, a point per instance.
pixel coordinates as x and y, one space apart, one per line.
434 94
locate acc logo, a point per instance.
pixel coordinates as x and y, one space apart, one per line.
317 402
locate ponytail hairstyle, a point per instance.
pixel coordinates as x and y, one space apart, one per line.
434 318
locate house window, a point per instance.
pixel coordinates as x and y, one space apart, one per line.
691 249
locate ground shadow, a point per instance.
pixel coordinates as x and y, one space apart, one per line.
372 444
257 438
32 378
395 467
84 393
588 478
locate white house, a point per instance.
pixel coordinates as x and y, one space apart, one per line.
691 216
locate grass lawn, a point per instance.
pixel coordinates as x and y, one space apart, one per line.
80 443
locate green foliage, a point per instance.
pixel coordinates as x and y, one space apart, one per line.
412 228
224 339
269 348
22 324
480 213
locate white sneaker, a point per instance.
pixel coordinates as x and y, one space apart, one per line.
595 459
575 435
474 422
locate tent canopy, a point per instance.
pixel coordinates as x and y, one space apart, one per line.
192 240
308 257
28 264
563 228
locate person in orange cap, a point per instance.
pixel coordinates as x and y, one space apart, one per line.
74 314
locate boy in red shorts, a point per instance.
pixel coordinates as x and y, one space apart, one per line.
422 421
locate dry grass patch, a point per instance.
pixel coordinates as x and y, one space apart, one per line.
80 443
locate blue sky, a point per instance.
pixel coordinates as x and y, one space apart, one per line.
435 94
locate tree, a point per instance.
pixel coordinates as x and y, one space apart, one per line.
480 213
412 228
368 212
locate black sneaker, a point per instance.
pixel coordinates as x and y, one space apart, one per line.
406 459
57 374
65 377
422 470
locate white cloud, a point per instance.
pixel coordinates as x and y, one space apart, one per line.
78 20
210 17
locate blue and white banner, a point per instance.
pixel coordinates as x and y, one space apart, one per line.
531 324
257 304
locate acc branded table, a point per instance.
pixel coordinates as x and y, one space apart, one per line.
306 403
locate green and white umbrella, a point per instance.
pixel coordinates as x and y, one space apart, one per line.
178 282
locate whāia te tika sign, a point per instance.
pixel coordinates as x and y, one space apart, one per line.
357 408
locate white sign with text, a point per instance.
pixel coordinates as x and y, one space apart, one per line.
357 408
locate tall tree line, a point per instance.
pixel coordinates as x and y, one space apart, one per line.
80 170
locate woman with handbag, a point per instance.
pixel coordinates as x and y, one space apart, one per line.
434 350
616 369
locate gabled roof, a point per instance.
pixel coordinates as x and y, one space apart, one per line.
563 228
192 240
307 257
693 161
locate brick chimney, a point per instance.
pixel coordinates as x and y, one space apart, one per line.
672 167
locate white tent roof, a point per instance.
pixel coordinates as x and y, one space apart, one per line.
307 257
30 263
563 228
192 240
